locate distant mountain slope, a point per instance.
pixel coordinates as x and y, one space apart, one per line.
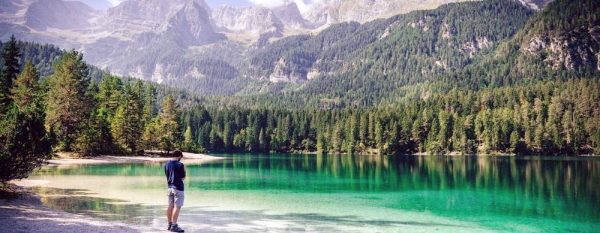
43 58
56 14
136 37
402 50
565 36
467 46
559 43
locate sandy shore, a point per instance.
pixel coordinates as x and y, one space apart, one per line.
188 158
26 213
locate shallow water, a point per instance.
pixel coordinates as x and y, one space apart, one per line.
343 193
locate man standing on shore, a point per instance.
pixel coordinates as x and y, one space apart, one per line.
175 172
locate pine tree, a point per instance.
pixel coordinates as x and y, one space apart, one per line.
151 137
10 71
24 142
169 124
68 102
188 139
26 88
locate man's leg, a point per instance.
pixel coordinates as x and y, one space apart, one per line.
175 214
177 207
171 195
170 213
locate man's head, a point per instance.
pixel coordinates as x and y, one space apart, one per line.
177 155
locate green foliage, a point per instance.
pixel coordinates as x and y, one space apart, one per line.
24 142
379 62
68 101
466 122
10 70
126 125
424 82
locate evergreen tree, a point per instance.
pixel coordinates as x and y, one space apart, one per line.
24 142
188 140
10 71
129 124
68 103
169 124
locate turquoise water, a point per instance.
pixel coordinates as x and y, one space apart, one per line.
343 193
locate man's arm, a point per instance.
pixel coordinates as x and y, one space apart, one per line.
183 172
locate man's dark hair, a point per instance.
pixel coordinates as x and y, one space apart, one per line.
177 153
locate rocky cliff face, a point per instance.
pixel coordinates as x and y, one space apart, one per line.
329 12
567 51
150 33
290 16
191 26
535 4
11 8
65 15
246 19
141 37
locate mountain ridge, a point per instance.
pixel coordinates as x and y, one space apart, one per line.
110 39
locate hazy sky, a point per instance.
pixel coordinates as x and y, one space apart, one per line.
104 4
302 4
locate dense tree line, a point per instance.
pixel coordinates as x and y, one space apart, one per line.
414 90
553 118
43 57
70 109
118 115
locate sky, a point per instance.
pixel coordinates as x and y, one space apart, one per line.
302 4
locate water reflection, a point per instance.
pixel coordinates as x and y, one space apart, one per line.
80 202
558 188
488 190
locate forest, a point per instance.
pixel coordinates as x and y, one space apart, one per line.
122 116
499 101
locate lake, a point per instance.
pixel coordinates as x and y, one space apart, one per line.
342 193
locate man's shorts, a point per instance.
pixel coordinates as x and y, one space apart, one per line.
175 197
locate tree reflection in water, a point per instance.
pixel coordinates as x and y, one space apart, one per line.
463 187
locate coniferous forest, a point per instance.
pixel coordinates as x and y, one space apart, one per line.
500 101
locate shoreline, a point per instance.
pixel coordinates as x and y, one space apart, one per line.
27 213
188 158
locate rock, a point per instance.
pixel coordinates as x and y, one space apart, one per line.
64 15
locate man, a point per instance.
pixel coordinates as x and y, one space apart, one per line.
175 172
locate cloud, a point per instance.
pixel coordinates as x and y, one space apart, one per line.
115 2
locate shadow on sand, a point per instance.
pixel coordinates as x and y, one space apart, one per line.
25 213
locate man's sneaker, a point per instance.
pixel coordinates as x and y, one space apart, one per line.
175 228
169 227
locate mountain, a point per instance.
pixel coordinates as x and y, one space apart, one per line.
561 42
466 46
466 78
56 14
246 19
290 16
564 39
407 47
535 4
191 26
185 43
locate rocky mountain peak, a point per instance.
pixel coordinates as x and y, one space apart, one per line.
65 15
290 16
146 10
244 19
192 25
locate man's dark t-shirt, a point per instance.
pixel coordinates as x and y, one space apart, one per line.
175 172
